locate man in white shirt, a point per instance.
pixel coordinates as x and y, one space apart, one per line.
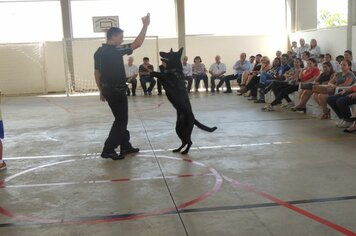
348 56
188 73
131 74
303 47
217 71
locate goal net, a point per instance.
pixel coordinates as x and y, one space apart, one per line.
79 61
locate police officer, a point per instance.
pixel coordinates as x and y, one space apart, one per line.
111 80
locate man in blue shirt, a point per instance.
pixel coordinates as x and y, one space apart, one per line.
110 78
239 67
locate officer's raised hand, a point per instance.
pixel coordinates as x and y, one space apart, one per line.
146 19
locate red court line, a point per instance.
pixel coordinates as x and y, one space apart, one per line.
213 172
291 207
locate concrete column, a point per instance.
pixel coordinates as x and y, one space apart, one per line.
68 49
180 18
351 21
291 15
306 14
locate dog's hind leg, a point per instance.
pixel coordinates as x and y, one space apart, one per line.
187 149
180 148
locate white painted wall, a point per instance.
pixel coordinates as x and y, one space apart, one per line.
230 47
331 40
21 69
54 66
306 14
25 68
354 40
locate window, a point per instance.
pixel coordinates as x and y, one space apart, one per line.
235 17
332 13
30 21
162 12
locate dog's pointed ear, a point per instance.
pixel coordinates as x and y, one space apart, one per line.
181 51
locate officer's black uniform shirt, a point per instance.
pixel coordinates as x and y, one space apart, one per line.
108 59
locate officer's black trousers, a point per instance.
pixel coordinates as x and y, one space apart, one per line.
119 135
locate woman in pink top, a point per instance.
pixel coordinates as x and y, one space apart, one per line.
308 75
199 73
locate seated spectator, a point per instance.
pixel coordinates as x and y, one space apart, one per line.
217 71
188 73
284 88
252 82
340 103
328 58
290 58
267 77
308 75
294 48
199 73
131 71
348 56
340 79
247 75
252 62
303 47
314 49
339 59
321 61
279 77
239 67
144 70
305 58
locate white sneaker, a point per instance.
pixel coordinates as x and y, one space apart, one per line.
338 122
288 105
267 108
344 124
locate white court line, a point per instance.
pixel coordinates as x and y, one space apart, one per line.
95 155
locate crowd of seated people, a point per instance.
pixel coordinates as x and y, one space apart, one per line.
303 69
332 84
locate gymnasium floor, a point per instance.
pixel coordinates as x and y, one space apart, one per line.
278 173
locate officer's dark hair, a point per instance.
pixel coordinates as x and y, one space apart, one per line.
113 31
258 55
146 59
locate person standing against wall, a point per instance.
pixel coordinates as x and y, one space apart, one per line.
110 78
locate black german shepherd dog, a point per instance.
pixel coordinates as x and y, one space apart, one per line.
173 83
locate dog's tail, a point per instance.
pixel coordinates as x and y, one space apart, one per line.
203 127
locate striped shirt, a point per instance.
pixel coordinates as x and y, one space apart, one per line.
198 69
